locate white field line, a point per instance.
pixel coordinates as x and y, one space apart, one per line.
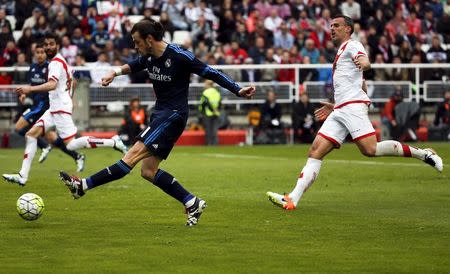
357 162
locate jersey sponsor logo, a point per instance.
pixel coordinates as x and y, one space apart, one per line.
168 63
156 75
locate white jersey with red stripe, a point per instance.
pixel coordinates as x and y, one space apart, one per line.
347 78
61 96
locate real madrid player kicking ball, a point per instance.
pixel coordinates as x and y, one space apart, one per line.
169 68
349 115
59 114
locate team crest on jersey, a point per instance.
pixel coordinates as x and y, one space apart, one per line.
168 63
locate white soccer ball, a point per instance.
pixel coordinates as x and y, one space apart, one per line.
30 206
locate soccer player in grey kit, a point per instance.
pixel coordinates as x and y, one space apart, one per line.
169 68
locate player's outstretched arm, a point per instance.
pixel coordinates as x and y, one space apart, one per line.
323 112
50 85
125 69
247 92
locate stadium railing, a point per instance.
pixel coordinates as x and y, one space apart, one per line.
380 91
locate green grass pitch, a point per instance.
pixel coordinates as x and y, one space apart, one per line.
361 215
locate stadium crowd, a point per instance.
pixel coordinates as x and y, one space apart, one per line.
232 32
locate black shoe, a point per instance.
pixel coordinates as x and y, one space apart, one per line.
73 183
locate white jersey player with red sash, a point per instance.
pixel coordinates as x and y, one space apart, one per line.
348 115
59 115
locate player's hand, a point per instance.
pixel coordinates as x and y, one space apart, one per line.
323 112
247 92
108 78
23 90
357 63
22 98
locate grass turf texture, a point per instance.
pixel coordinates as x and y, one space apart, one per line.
361 215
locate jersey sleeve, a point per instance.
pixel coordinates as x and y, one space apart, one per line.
356 50
210 73
55 70
137 64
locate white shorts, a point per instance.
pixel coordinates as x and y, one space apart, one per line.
61 121
351 118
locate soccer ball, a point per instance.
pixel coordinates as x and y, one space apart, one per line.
30 206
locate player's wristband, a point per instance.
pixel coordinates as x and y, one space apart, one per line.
118 71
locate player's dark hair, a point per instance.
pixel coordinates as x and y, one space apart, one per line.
348 21
51 35
147 27
40 44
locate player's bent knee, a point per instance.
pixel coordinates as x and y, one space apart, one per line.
369 152
148 173
34 132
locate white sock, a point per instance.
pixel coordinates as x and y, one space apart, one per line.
30 151
89 142
84 184
190 203
307 176
395 148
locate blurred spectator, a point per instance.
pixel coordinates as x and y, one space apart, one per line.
75 17
250 75
294 55
304 22
257 51
167 24
68 51
10 54
329 52
202 31
99 37
283 38
239 54
241 36
307 74
311 51
100 68
21 77
134 121
233 73
271 111
56 8
405 52
442 118
263 7
114 24
417 50
388 113
428 26
384 49
31 21
387 6
252 21
380 74
227 27
210 103
41 28
5 78
283 9
202 9
414 25
174 9
352 9
5 37
245 7
24 43
81 74
436 7
398 74
89 22
3 20
273 22
315 9
324 74
105 8
319 35
436 53
79 40
303 123
443 27
286 75
358 34
111 52
201 51
23 9
190 12
270 58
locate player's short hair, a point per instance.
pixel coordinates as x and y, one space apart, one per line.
147 27
348 21
51 35
40 44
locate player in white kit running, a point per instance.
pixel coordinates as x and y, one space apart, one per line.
349 115
59 115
